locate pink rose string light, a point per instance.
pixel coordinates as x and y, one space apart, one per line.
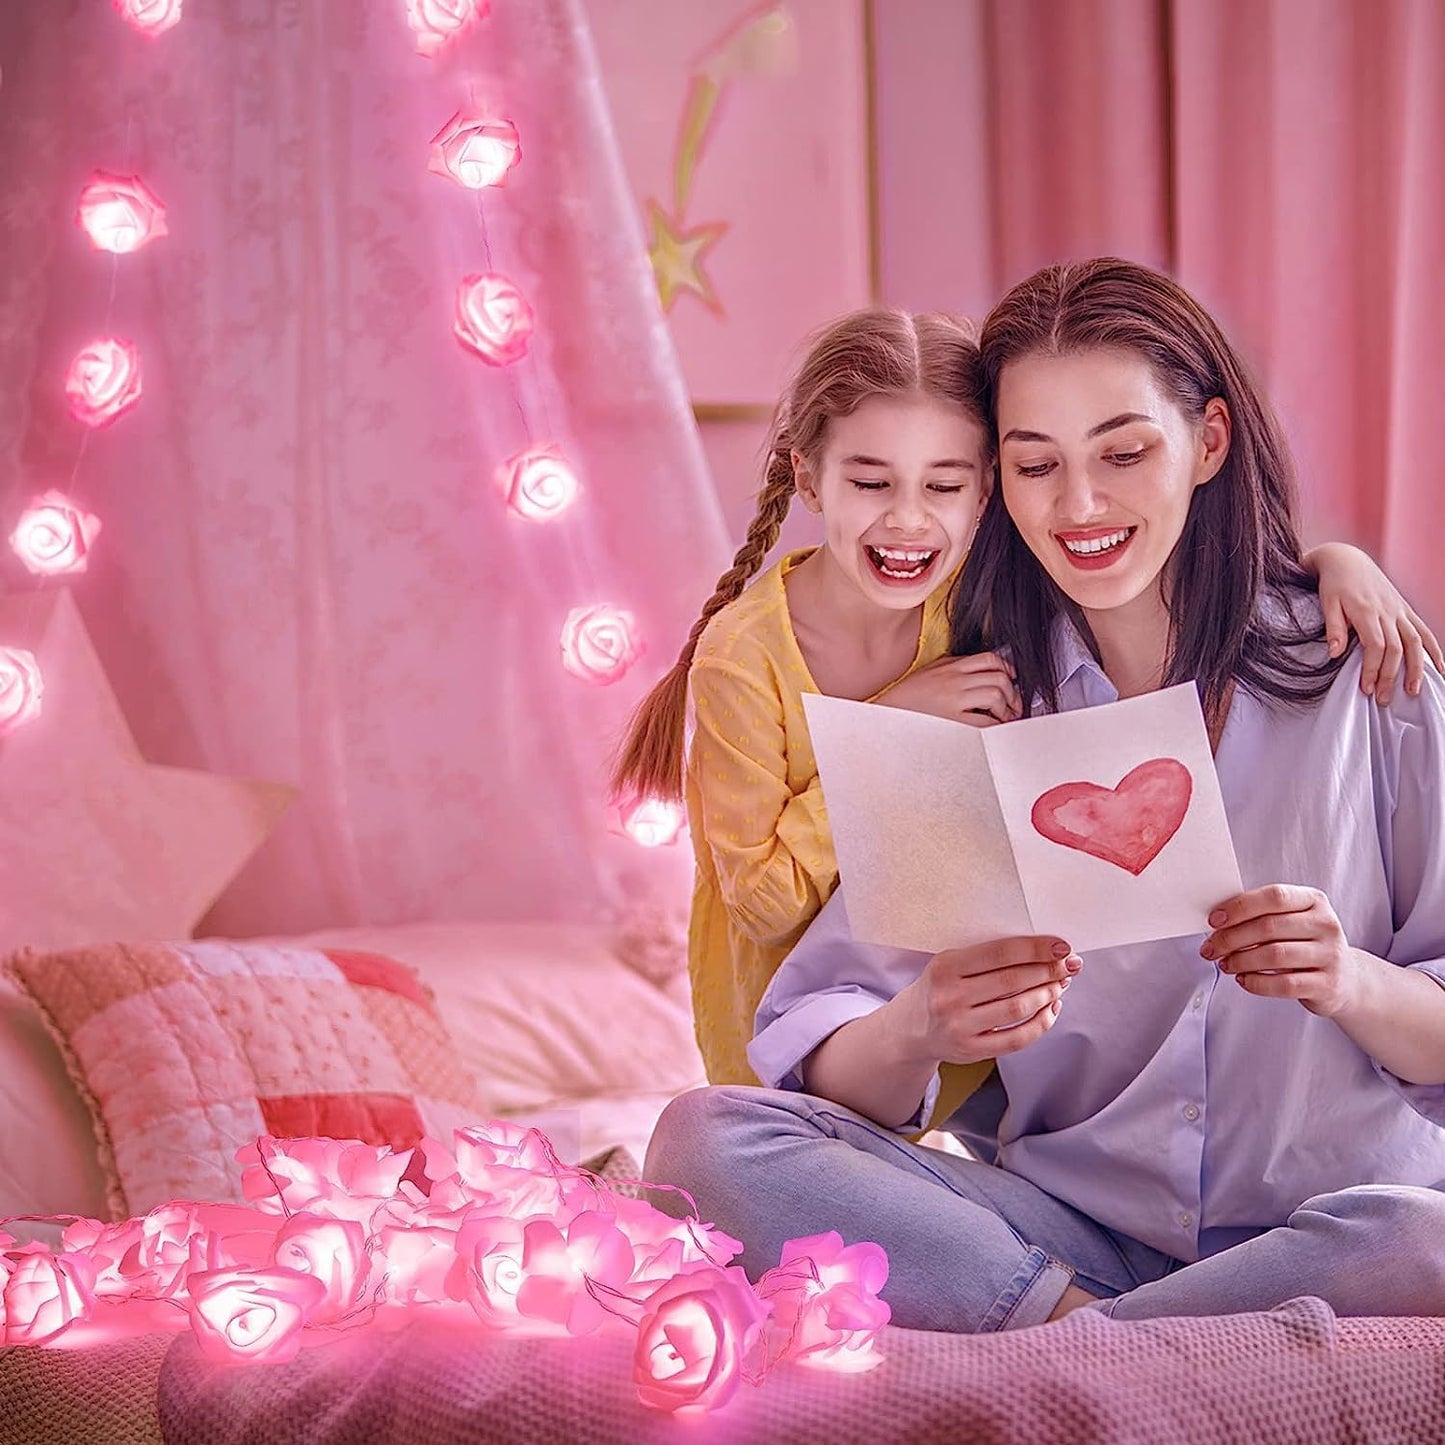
599 643
493 319
649 822
436 23
824 1297
539 484
21 687
493 1234
150 17
119 213
695 1339
103 381
254 1316
475 151
54 535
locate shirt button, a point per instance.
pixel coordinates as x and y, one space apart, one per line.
1191 1112
1186 1220
1197 1001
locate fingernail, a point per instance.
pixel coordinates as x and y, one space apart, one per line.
1216 919
1073 963
1413 688
1334 645
1064 983
1060 950
1206 950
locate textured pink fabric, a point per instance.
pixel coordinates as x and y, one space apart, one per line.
1293 1376
307 572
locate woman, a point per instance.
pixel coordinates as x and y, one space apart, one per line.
1189 1126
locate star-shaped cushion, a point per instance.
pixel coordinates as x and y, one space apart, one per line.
96 844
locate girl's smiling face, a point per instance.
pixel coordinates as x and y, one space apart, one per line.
1098 465
900 486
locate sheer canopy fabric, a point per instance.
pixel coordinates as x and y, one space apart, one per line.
307 572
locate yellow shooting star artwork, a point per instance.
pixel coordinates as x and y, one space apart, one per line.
760 41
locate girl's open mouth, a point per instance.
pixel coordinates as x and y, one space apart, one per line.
902 564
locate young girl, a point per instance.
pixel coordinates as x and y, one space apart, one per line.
879 433
1196 1126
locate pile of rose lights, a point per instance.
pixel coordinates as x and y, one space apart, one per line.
493 321
500 1238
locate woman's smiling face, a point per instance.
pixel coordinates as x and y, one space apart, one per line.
1098 465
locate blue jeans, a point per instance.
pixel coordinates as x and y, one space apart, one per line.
973 1248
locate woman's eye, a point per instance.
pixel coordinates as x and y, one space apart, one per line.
1124 459
865 484
946 489
1035 469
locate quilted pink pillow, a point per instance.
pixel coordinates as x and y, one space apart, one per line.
186 1051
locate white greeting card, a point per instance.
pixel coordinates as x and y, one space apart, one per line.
1103 825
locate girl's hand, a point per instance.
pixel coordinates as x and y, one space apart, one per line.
978 690
1285 942
1356 594
971 1004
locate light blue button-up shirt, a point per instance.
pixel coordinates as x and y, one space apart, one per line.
1166 1102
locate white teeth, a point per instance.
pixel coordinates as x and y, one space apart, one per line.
907 562
1098 544
896 554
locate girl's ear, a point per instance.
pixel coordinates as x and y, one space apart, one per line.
1214 437
803 482
989 481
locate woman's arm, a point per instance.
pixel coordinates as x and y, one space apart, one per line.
772 848
1286 942
968 1005
1356 594
1283 941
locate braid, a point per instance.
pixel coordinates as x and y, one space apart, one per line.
874 352
651 759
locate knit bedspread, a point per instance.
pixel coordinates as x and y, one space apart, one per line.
1292 1374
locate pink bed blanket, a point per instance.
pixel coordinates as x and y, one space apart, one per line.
1293 1374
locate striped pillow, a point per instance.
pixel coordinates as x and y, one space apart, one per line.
184 1052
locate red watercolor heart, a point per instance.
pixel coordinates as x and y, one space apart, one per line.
1125 826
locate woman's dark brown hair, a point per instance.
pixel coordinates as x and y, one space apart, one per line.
1235 574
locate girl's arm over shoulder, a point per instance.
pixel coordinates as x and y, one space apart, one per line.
1356 595
771 847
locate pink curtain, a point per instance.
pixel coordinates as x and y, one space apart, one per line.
1281 157
306 572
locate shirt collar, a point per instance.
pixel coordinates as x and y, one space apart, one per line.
1082 682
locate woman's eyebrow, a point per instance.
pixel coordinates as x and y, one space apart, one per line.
1018 434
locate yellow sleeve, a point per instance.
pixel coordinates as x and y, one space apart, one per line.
771 847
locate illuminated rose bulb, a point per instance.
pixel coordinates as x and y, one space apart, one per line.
493 319
435 22
20 688
652 822
597 643
119 213
539 484
103 381
53 535
150 17
475 151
